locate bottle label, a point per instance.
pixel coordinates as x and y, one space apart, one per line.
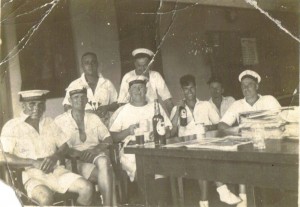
183 114
160 127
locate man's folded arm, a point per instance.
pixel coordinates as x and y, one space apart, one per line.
16 161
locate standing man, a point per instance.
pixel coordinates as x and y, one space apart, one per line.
88 139
219 102
101 93
36 143
252 101
156 85
198 112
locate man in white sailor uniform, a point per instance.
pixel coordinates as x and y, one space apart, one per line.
37 143
156 86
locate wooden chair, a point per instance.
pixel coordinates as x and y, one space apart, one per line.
121 179
13 177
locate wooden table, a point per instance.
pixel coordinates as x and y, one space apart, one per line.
274 167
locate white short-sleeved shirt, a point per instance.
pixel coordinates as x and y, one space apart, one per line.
105 92
155 86
263 103
203 113
126 116
129 115
21 139
95 130
225 104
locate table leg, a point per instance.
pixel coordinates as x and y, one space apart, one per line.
144 180
181 192
254 198
174 191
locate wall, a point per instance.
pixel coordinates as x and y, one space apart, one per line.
13 68
94 29
182 48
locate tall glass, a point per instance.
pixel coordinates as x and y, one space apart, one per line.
258 136
200 131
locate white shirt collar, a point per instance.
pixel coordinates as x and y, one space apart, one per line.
100 80
24 116
139 75
259 97
211 101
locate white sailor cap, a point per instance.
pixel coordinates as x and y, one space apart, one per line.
142 51
139 79
33 95
76 88
250 74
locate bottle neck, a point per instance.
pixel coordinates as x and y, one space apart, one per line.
156 108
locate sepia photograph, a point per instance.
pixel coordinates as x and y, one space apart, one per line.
184 103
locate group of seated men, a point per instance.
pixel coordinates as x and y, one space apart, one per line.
96 116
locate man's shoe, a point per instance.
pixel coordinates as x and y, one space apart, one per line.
226 196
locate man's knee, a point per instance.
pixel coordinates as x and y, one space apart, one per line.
43 195
102 162
83 186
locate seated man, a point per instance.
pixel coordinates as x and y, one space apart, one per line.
123 124
128 117
252 101
36 143
88 140
219 102
198 112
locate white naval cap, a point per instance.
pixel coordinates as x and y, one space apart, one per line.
138 79
76 88
33 95
142 51
250 74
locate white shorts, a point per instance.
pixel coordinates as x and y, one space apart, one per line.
85 169
59 180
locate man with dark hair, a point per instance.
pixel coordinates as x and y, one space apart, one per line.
36 143
89 140
219 102
198 112
156 85
187 79
101 93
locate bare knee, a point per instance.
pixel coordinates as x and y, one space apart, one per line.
43 195
102 162
83 187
